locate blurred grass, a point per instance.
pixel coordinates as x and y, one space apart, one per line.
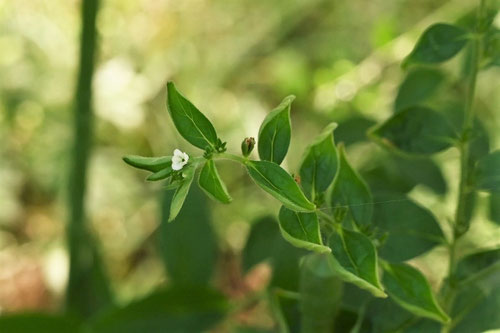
235 60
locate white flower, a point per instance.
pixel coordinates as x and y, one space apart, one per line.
179 159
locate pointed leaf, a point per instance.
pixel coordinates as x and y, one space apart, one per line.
350 191
411 229
181 193
211 183
355 260
410 289
188 247
438 43
415 130
275 133
418 85
189 121
301 229
320 163
276 181
153 164
162 174
487 174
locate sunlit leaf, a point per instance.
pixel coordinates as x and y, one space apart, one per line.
487 175
212 184
153 164
418 85
189 121
320 293
276 181
320 163
188 247
409 288
275 133
301 229
438 43
181 193
350 191
415 130
411 229
354 260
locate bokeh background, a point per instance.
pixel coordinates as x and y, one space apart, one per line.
235 60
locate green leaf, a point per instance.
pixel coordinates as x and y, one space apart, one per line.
162 174
478 263
438 43
418 85
275 133
172 310
350 191
487 173
415 130
211 183
301 230
409 288
354 259
353 129
494 205
320 293
285 310
153 164
320 163
37 323
188 247
265 243
189 121
276 181
181 193
411 229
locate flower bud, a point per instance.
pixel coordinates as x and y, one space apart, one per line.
247 146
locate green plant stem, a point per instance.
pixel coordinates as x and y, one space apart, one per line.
462 222
231 157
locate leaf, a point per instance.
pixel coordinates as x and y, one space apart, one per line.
188 247
320 163
162 174
275 133
494 211
37 323
415 130
477 263
418 85
487 173
354 259
350 191
153 164
285 310
211 183
276 181
171 310
438 43
189 121
301 230
409 288
265 243
353 129
181 193
320 293
411 229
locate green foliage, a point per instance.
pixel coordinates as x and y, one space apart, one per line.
487 175
189 121
350 191
301 229
276 181
438 43
409 288
418 85
494 207
477 263
153 164
181 193
188 247
354 260
416 130
275 133
211 183
38 323
319 165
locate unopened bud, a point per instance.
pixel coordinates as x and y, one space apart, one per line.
247 146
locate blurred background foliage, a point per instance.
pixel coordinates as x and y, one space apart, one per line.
235 60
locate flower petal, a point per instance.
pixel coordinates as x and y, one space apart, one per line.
177 166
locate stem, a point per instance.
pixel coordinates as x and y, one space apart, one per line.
462 221
231 157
